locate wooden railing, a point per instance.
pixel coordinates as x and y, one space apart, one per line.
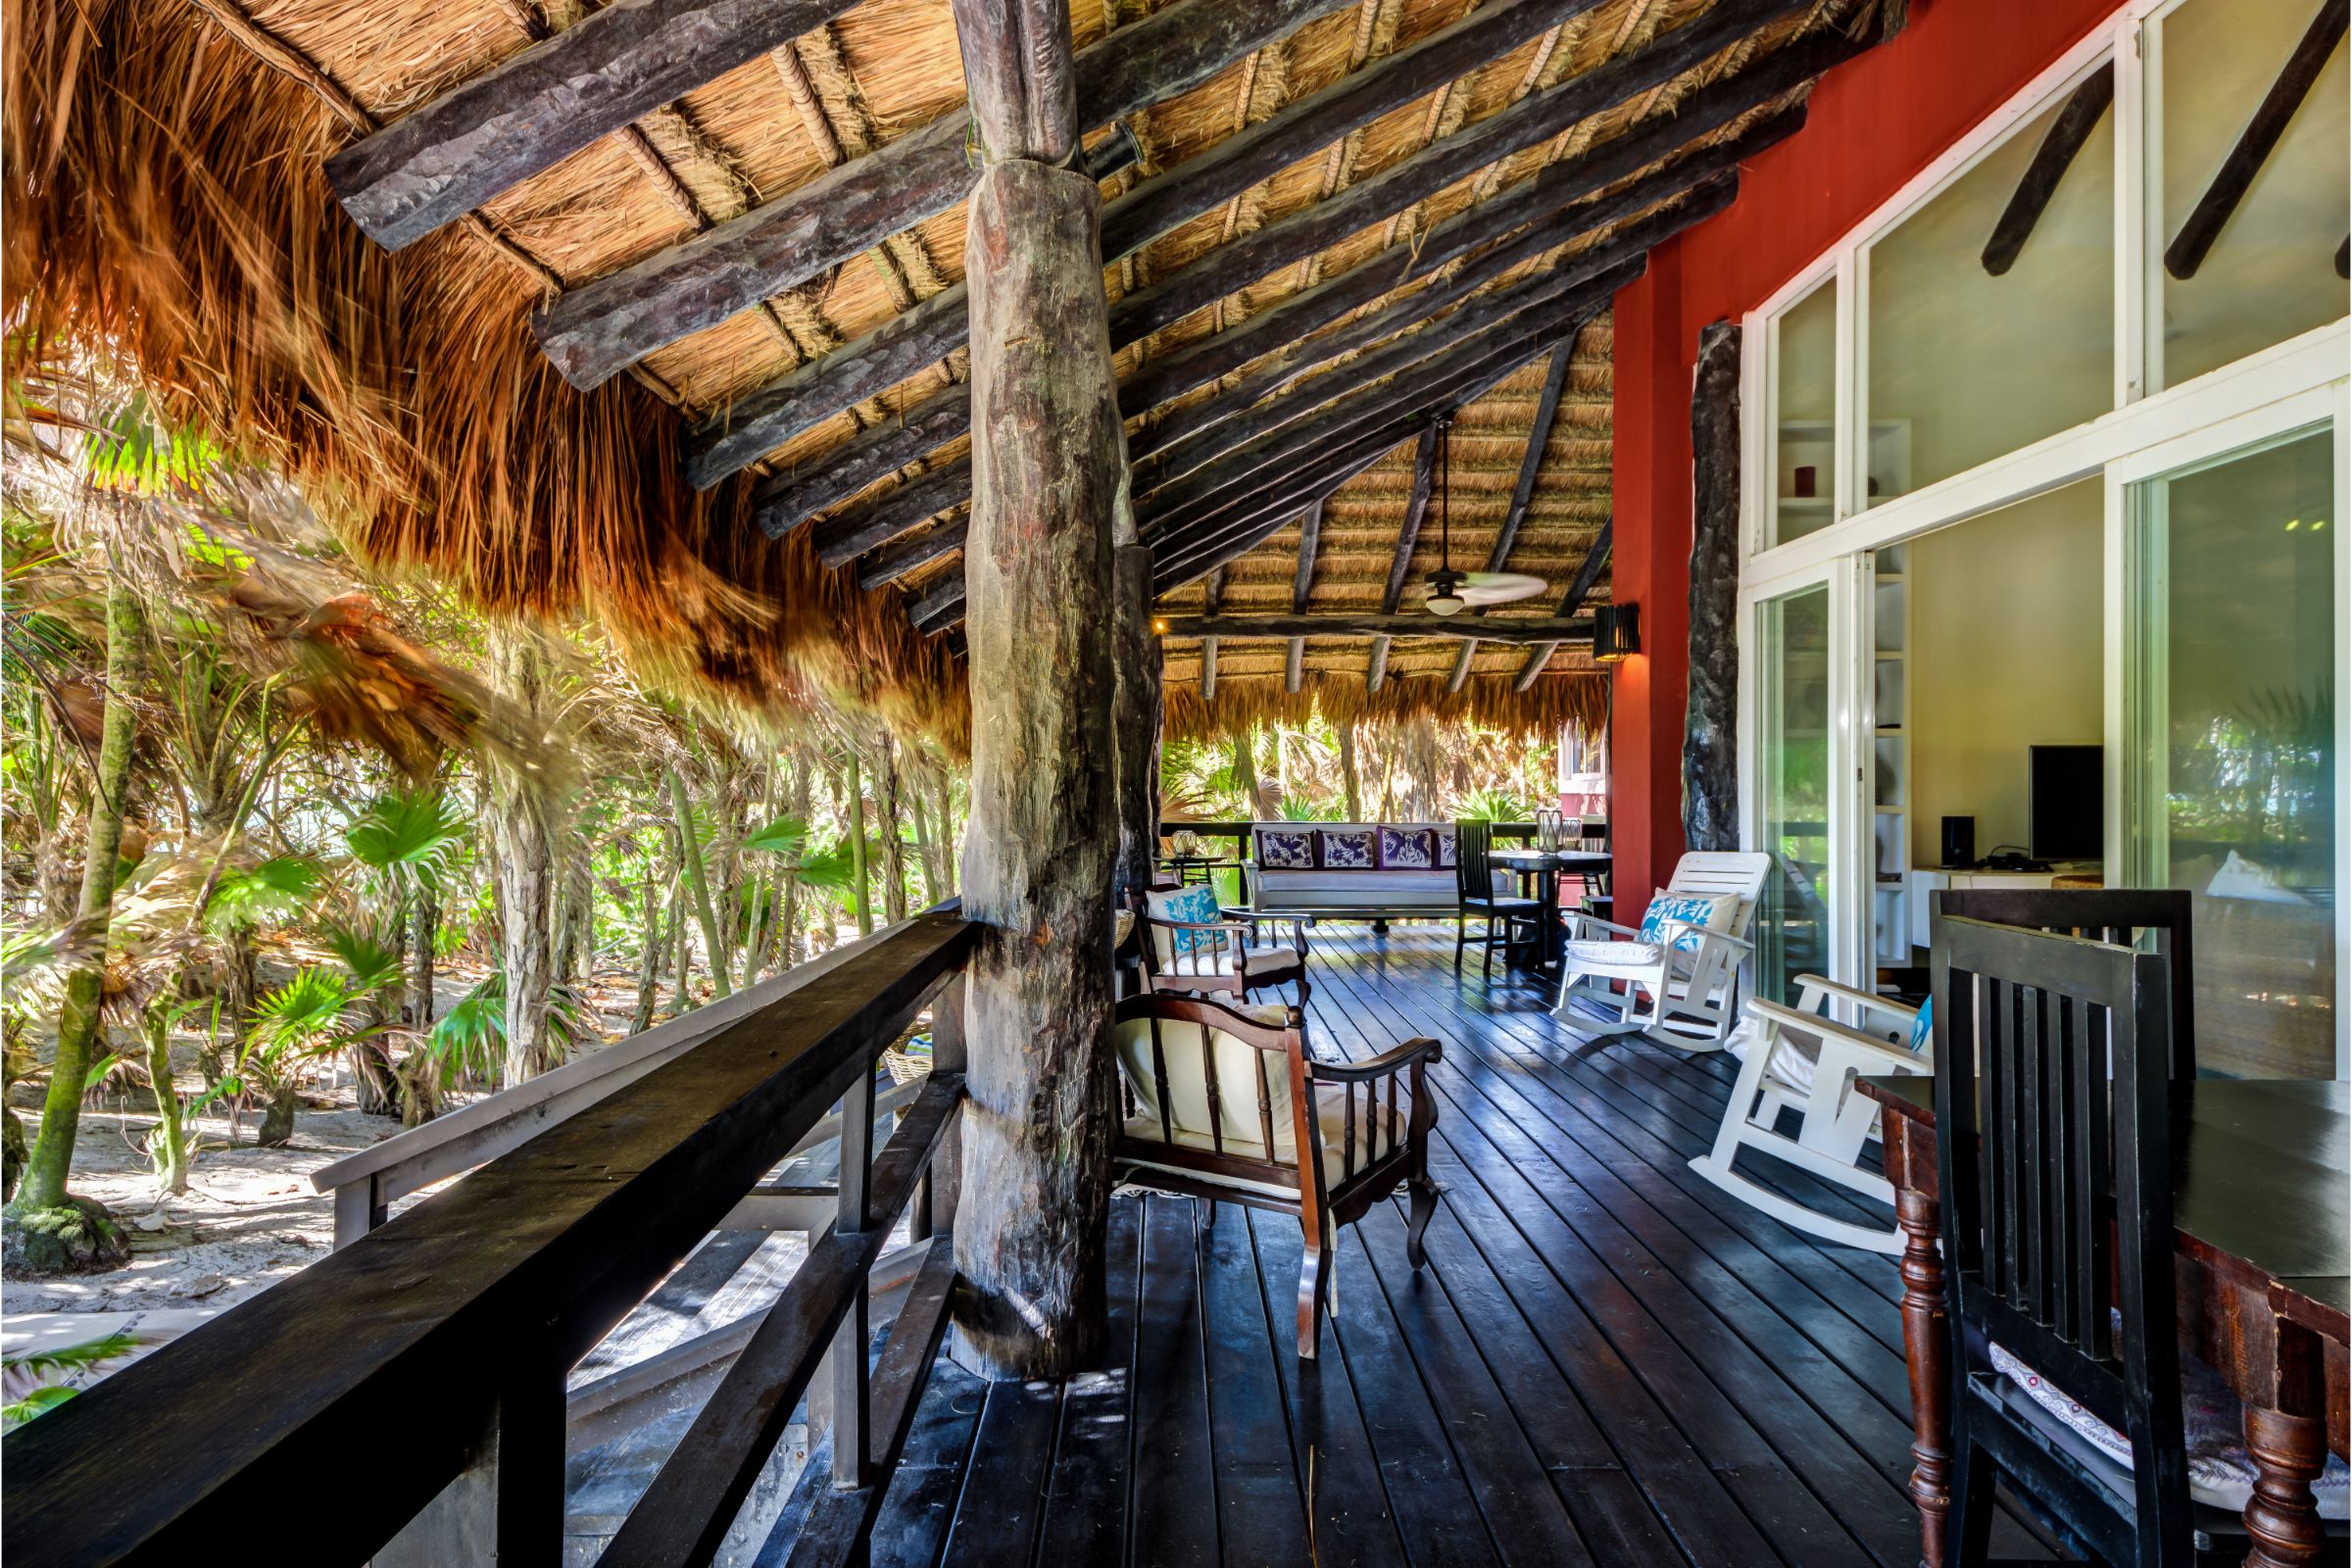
405 1398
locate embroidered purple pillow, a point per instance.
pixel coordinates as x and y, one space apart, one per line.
1286 850
1444 840
1404 849
1346 848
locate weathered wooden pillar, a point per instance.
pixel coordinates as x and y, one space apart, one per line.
1136 711
1048 461
1711 721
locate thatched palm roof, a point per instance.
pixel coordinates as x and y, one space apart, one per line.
165 199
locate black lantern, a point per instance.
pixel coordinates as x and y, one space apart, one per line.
1616 633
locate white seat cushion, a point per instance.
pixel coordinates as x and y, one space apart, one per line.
1796 1057
1612 955
1239 1081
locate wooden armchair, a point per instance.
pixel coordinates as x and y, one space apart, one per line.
1217 956
1227 1103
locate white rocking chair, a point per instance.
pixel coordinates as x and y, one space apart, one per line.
1680 988
1798 1059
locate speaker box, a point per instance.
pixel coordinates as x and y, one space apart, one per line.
1959 841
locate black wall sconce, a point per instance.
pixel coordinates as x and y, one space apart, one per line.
1616 633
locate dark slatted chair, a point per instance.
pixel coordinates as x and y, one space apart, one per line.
2054 1100
1477 899
1227 1103
2121 915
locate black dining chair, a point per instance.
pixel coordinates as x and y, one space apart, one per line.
1477 899
2053 1104
2121 915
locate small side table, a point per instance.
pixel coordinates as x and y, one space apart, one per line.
1189 869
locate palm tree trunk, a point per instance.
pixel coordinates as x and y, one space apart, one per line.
51 1158
1245 772
522 858
792 879
425 919
1349 783
169 1148
697 885
893 850
649 953
860 896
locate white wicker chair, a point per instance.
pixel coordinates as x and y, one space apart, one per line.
1682 989
1798 1059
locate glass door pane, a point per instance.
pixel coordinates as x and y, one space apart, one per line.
2232 711
1794 743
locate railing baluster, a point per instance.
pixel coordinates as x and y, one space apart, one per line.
847 1356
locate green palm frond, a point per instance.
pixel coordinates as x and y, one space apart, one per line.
374 964
786 835
1493 805
70 1358
272 892
410 837
133 448
306 1016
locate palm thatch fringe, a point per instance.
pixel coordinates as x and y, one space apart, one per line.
1488 701
165 212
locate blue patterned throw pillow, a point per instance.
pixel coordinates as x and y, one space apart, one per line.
1404 849
1923 1027
1195 906
1690 909
1346 848
1286 850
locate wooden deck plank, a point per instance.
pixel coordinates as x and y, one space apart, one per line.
1174 1501
1005 1483
1349 1524
1261 1514
920 1504
1086 1501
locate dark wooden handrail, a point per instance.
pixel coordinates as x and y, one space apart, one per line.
1241 830
341 1402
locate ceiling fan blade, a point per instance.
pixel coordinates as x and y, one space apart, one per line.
1501 587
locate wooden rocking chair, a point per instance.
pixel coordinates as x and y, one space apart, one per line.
1220 1102
1680 982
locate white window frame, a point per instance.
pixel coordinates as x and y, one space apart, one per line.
2300 381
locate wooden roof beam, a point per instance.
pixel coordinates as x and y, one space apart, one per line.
1302 585
2085 107
1531 469
1502 630
599 329
2254 144
1408 536
533 110
1447 381
772 415
1570 603
1214 594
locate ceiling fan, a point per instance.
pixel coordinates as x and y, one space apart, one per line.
1451 591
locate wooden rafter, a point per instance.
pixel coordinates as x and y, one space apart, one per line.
765 418
1531 469
1303 585
1408 536
2085 107
1570 603
1214 627
530 112
599 328
2254 144
1213 595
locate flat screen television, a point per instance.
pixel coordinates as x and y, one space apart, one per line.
2066 803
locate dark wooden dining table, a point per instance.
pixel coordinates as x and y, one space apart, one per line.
2262 1198
1547 866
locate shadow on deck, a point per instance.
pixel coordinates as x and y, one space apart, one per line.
1607 1361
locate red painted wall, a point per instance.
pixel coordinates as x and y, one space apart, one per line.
1870 126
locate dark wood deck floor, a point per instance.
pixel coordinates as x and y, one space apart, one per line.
1607 1360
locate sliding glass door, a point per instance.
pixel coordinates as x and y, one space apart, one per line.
1799 817
2232 726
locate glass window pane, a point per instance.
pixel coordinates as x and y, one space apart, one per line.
1966 364
2270 270
1792 936
2235 720
1804 424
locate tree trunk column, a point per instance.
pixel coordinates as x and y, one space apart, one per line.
1047 458
1135 716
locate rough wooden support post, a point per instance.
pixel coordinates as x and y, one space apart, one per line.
1048 457
945 1182
507 1505
1135 712
359 1209
1710 733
